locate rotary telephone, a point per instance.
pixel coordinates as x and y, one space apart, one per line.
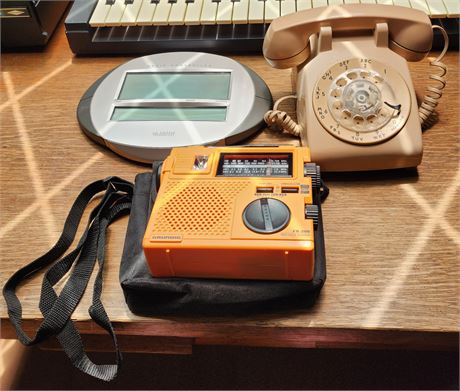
356 104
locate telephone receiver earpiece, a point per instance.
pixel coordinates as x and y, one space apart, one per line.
286 43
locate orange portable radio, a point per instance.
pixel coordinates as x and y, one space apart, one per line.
235 212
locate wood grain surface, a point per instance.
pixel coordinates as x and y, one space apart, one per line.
392 239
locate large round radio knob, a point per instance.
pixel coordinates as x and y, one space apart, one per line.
266 215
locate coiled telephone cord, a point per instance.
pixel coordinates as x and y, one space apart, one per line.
280 120
434 92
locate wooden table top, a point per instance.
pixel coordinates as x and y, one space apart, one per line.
392 239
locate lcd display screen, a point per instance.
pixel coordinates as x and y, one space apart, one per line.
169 114
176 85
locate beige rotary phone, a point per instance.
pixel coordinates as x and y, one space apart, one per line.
356 104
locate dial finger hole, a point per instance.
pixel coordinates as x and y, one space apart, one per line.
341 82
364 75
336 93
352 75
346 115
358 120
371 118
378 79
337 105
384 113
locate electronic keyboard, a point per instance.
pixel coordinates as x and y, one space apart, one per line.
231 26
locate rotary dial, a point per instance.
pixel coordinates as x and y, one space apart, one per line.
361 101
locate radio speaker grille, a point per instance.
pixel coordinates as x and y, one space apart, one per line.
197 208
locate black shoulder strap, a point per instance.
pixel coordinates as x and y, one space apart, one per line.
58 308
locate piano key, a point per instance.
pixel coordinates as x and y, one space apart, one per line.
303 5
335 2
287 7
256 11
116 12
437 8
177 14
453 8
420 5
130 15
100 13
272 10
224 12
193 13
319 3
209 12
240 12
161 15
351 2
145 16
402 3
388 2
367 1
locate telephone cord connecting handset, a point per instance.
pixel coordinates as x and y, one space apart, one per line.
282 121
434 92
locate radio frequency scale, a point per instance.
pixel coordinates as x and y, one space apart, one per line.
151 104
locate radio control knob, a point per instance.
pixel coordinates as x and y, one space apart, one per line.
312 170
266 215
312 213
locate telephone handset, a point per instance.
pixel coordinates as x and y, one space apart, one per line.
356 104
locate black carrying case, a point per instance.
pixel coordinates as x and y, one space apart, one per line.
144 294
147 295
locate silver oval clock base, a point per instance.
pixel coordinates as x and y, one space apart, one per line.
248 99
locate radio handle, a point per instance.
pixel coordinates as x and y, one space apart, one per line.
158 176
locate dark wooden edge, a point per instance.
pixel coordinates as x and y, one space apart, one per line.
165 336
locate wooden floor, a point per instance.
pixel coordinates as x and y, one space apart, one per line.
392 238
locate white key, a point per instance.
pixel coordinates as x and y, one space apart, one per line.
224 12
145 16
193 13
351 1
100 13
287 7
303 5
402 3
388 2
256 11
209 12
335 2
240 12
272 10
453 8
319 3
161 15
420 5
177 14
130 15
115 13
437 8
367 1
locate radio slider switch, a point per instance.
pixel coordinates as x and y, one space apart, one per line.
264 189
290 189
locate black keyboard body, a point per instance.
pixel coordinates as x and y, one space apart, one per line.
236 38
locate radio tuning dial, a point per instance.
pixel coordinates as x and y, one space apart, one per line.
312 170
266 215
312 212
